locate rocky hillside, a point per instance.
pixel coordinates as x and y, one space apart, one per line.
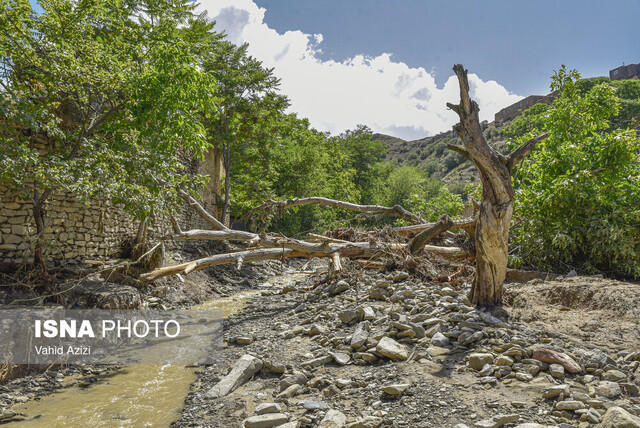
432 154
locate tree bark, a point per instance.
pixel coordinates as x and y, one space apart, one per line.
496 208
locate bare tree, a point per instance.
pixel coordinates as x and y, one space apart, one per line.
496 208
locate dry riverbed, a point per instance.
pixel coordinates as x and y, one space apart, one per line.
388 350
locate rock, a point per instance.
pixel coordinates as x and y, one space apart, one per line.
497 421
268 408
340 287
340 357
596 358
368 422
360 335
531 425
487 370
630 389
392 349
316 329
608 389
614 376
333 419
273 367
314 405
244 340
290 391
555 391
315 362
524 377
477 361
242 371
503 360
440 340
400 276
395 389
570 405
266 421
366 313
617 417
348 316
550 356
294 379
556 370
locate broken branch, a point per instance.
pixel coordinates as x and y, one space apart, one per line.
516 156
395 211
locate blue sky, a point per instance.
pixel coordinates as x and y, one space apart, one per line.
387 64
517 43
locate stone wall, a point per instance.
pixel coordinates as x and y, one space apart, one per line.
95 230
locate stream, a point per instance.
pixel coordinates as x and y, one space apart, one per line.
141 395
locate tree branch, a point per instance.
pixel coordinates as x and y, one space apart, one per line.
460 150
516 156
419 241
395 211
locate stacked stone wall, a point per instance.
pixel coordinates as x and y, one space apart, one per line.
95 230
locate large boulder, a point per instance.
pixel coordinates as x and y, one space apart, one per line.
617 417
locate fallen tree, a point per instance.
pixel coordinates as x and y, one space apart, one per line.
281 206
277 246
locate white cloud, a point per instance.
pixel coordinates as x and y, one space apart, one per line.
388 96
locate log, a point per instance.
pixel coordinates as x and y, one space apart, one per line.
466 224
290 248
214 235
450 253
429 233
201 211
395 211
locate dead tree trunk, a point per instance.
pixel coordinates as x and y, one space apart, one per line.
496 208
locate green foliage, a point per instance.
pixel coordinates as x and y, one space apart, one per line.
115 89
451 161
250 115
578 193
411 188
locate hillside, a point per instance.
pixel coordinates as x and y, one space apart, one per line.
432 155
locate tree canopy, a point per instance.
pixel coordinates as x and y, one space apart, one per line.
578 194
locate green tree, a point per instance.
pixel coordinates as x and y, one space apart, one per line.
250 110
578 194
363 154
113 89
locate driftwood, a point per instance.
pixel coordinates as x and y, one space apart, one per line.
274 247
496 207
290 248
429 233
467 224
395 211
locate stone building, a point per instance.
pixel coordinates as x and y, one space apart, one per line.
630 71
515 109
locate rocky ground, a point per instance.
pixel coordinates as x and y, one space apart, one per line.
388 350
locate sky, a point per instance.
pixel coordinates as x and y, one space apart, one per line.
387 63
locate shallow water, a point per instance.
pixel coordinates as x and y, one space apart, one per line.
141 395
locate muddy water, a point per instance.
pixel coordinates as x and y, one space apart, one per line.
135 396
